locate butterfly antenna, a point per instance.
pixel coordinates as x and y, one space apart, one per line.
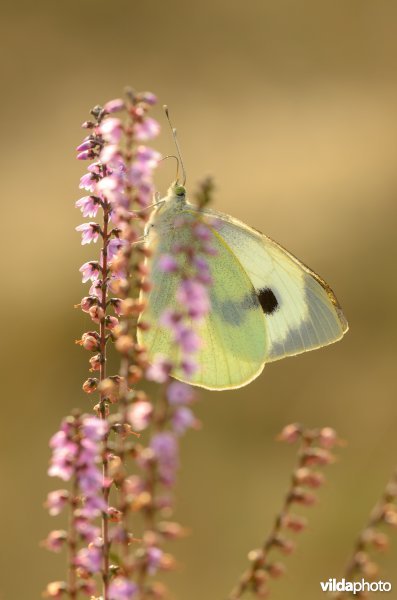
177 162
174 135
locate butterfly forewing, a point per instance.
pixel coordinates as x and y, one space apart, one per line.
300 309
233 334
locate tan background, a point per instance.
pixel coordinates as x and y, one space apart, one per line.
293 107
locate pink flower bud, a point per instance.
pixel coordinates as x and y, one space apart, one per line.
299 496
171 531
90 385
85 145
328 437
148 98
55 589
290 433
286 546
305 476
390 515
124 344
95 362
256 555
87 302
86 155
294 523
115 105
276 569
114 514
96 313
90 341
111 322
55 540
56 501
140 415
317 456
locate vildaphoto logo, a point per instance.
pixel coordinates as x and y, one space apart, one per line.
355 587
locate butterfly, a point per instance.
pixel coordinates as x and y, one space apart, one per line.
265 303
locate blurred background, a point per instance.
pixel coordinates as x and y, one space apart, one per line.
292 106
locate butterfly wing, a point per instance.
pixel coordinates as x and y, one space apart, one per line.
233 334
301 311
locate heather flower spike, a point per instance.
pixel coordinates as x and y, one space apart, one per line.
90 454
373 538
304 478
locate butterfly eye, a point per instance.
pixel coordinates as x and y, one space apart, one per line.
180 190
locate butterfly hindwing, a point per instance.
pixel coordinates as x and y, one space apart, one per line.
233 334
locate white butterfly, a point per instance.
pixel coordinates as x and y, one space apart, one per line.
265 303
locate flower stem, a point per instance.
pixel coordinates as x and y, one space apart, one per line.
102 410
72 543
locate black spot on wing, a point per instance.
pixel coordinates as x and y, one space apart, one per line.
267 300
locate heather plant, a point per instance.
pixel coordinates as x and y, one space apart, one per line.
314 452
372 539
118 464
122 460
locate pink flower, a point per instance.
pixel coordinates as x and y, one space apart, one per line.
121 588
167 263
94 428
87 531
94 505
154 556
183 419
189 366
148 98
160 370
95 169
165 448
63 455
111 130
179 393
87 182
202 232
112 188
88 205
90 270
194 296
201 264
114 246
56 501
171 319
90 232
55 540
146 159
140 415
188 340
89 559
110 155
96 288
147 129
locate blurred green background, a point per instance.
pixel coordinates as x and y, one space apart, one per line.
292 106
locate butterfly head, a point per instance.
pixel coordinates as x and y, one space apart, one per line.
177 191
